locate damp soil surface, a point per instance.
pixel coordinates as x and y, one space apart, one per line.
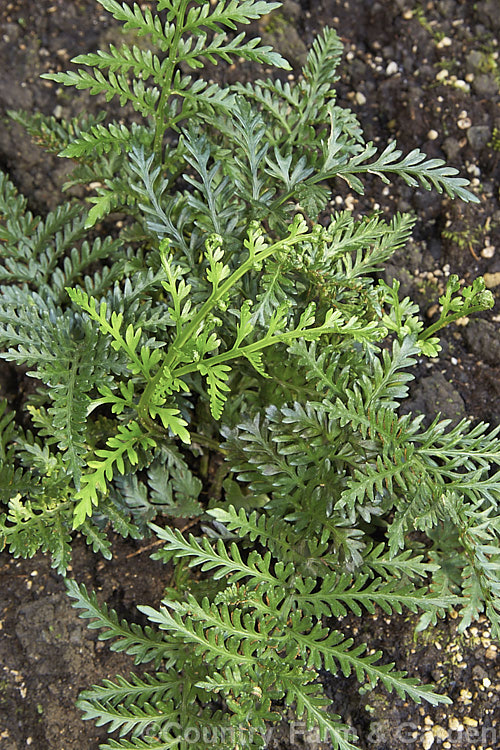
427 74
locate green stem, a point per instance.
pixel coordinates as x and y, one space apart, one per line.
166 90
443 322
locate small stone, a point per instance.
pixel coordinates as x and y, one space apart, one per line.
488 251
478 136
392 68
439 732
360 98
487 682
491 280
432 135
455 725
491 652
58 111
442 75
464 122
485 85
469 722
428 740
444 42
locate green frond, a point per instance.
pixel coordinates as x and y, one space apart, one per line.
142 62
101 139
52 134
144 644
219 48
142 23
415 169
322 647
142 98
226 13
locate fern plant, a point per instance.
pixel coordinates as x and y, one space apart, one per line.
227 355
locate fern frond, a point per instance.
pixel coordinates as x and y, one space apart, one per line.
142 98
145 644
142 23
328 648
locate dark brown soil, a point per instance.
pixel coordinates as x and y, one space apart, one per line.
427 74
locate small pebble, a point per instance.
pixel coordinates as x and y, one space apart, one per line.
491 652
360 98
491 280
391 69
488 251
444 42
464 122
432 135
442 75
439 732
455 725
428 740
469 722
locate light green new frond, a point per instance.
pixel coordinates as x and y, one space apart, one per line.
124 446
42 524
217 377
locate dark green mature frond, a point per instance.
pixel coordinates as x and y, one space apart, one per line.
142 98
101 139
213 199
53 134
415 169
143 643
143 23
222 13
323 59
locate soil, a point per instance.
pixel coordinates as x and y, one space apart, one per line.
428 75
